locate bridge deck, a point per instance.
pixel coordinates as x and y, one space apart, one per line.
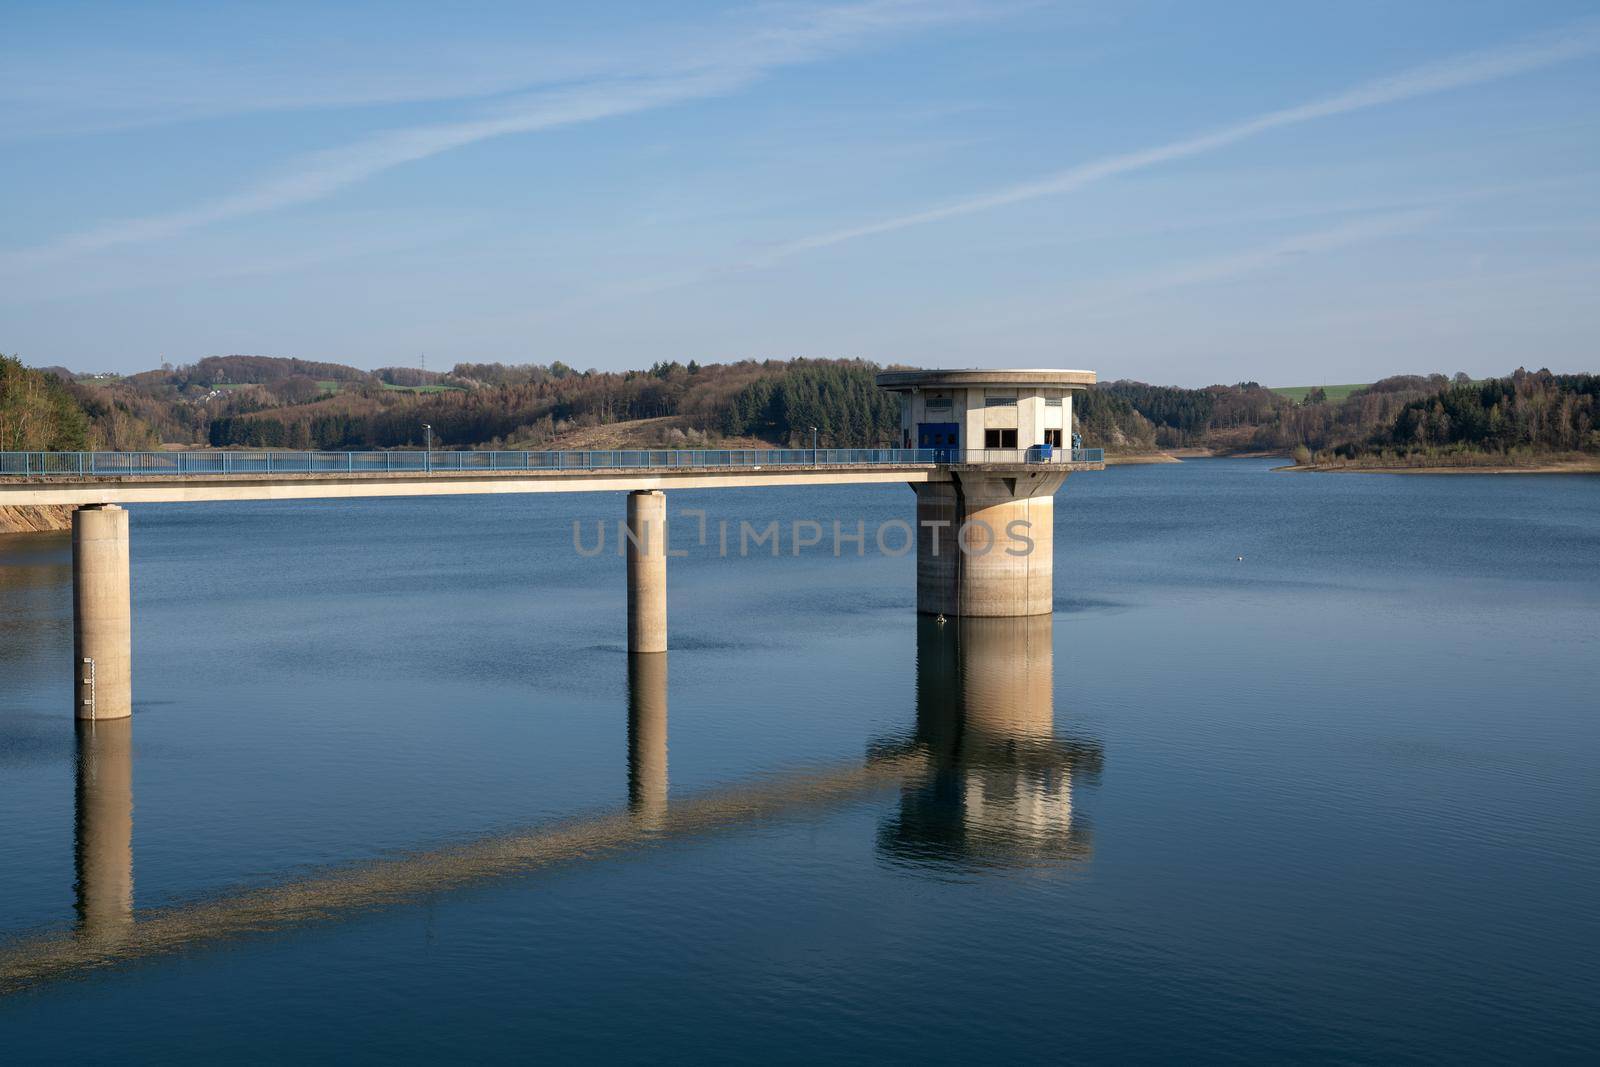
157 488
131 478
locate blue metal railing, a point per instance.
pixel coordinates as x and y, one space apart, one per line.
100 464
90 464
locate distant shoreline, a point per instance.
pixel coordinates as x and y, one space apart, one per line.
1178 455
1571 465
1578 466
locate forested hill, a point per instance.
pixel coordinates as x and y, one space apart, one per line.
1527 415
1403 418
267 402
43 411
38 411
1251 417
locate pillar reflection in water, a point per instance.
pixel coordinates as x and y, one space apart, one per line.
104 840
1000 789
647 737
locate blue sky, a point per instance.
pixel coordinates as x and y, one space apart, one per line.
1178 192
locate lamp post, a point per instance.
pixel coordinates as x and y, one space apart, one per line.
427 451
813 446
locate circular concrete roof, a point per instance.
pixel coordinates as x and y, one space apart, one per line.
902 380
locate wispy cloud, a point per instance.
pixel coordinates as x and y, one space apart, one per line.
1263 257
1472 68
791 35
1110 297
65 84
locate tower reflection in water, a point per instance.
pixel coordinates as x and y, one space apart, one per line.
103 853
999 788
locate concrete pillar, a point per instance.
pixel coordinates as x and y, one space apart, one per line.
647 737
646 549
985 544
101 614
103 852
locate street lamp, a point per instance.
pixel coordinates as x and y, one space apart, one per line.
813 446
427 451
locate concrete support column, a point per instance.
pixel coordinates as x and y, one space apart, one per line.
103 852
985 545
102 626
646 549
647 738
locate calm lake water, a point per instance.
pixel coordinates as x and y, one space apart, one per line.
396 791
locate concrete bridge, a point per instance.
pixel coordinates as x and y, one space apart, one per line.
985 452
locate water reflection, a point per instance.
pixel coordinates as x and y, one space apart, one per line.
103 852
34 568
984 782
647 737
999 792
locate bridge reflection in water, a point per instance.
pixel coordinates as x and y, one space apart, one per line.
984 782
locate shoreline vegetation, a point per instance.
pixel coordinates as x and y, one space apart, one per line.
1526 422
1488 463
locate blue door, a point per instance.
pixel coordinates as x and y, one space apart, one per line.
943 437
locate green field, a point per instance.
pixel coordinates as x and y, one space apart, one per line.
1335 393
334 387
424 388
